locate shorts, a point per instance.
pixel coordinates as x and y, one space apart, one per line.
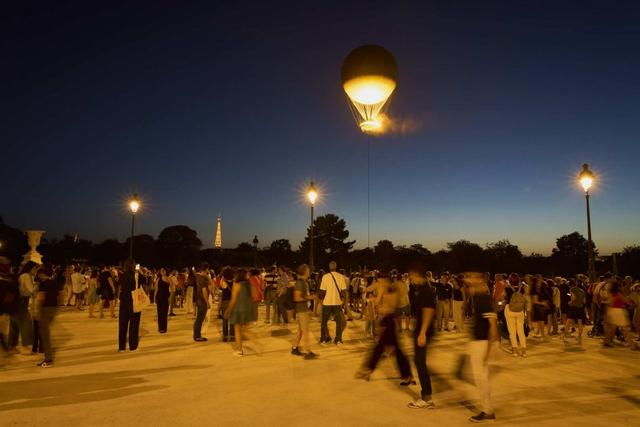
303 321
403 311
576 313
539 313
618 317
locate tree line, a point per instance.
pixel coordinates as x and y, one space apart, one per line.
179 246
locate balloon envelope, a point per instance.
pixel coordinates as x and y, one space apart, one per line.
369 74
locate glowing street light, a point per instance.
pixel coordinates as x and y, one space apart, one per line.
312 196
586 179
134 206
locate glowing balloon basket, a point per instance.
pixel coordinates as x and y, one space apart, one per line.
369 75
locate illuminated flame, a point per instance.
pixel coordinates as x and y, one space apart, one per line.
368 95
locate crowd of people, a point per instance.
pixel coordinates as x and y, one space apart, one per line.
503 310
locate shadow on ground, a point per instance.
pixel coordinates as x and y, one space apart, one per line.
60 391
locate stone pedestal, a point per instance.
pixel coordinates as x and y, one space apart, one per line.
33 239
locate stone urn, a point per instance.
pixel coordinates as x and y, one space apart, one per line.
33 239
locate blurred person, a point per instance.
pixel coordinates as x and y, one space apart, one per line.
240 309
173 289
47 301
68 288
283 284
190 284
301 297
514 312
226 286
255 280
554 287
387 301
271 295
107 289
444 292
540 302
21 324
564 287
424 304
617 317
162 293
77 286
129 321
575 312
458 302
92 293
9 301
401 285
332 289
203 283
484 334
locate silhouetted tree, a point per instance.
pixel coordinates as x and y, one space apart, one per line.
13 243
502 256
570 254
109 252
330 240
465 256
178 246
629 261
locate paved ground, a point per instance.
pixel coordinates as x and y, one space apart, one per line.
173 381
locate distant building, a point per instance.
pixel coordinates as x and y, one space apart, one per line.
218 242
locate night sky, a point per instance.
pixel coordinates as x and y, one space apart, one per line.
217 107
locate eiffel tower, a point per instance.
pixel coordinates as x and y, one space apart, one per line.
218 242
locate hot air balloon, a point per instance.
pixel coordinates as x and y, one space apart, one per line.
369 75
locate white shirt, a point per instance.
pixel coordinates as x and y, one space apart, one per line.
77 282
25 281
327 284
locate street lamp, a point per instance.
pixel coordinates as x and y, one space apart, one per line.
312 196
255 250
586 178
134 205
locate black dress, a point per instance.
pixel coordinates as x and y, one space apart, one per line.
162 304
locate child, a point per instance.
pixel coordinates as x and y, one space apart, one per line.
370 315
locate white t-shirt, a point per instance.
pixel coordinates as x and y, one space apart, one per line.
333 296
77 282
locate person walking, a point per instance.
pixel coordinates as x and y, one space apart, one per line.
226 286
387 301
21 324
162 293
333 288
301 297
107 287
128 320
203 284
575 312
484 334
271 295
424 306
92 292
459 298
240 309
47 302
190 285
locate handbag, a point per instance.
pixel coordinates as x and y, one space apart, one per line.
140 298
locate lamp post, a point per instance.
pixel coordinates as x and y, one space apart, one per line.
586 178
134 205
255 250
312 195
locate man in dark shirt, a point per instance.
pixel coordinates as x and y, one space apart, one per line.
445 292
424 299
128 321
485 333
47 302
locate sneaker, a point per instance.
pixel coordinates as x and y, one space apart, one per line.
200 339
45 364
310 355
296 351
482 417
238 353
338 342
421 404
363 374
325 341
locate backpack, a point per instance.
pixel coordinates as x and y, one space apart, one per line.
517 301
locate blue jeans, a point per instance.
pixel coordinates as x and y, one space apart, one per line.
327 311
201 311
